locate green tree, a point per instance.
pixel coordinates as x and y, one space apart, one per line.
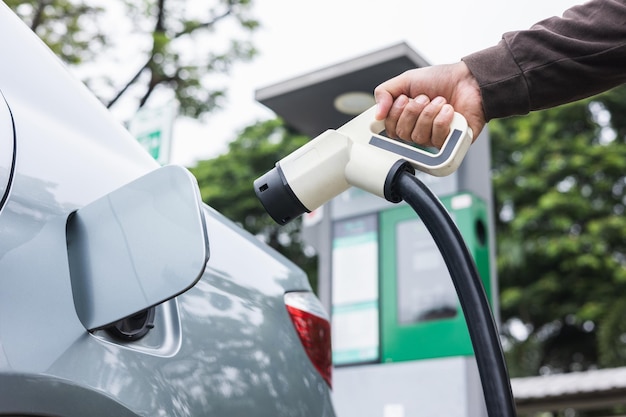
177 44
559 179
226 185
71 29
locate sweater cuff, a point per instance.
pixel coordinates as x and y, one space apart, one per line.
502 84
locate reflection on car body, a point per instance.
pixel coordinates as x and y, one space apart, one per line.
222 344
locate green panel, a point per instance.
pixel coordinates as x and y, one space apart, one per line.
420 315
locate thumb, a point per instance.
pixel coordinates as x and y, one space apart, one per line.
384 100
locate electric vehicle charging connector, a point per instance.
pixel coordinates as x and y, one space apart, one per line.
357 155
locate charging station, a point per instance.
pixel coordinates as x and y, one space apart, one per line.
400 341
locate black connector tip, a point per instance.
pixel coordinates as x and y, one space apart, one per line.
277 197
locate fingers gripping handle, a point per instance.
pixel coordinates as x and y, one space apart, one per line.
367 130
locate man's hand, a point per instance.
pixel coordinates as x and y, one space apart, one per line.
419 104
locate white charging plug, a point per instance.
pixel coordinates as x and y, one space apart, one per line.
356 154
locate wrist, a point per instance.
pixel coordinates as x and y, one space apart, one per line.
467 80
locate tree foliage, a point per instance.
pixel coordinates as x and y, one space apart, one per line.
71 29
559 179
173 45
226 185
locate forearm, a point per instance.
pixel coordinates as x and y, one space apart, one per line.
556 61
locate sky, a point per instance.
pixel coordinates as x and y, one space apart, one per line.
297 37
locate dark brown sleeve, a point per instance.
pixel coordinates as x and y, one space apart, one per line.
556 61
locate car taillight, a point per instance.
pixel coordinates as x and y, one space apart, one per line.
313 327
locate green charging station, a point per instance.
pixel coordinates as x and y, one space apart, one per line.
423 318
401 344
392 296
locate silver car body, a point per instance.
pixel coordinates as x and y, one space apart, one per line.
225 347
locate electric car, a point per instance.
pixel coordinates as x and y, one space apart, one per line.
121 293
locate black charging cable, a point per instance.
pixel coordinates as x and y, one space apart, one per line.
481 325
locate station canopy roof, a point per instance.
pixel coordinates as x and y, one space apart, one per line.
329 97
